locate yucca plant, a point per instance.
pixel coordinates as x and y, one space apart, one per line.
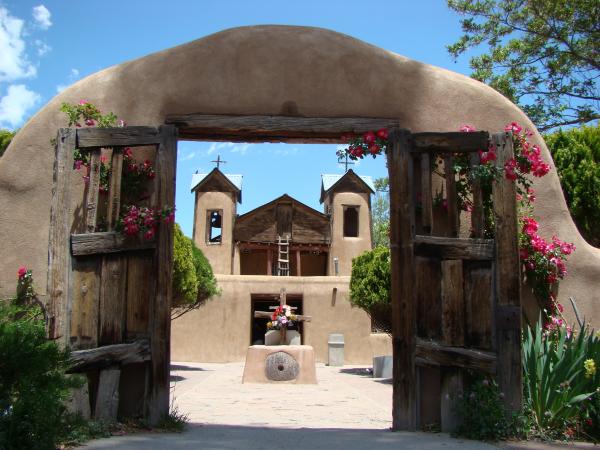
557 385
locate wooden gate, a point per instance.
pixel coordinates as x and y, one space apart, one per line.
110 296
455 301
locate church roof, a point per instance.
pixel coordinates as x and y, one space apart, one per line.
220 182
331 181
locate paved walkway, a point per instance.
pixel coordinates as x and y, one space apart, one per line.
347 410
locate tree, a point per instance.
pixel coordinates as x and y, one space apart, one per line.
5 137
193 278
370 285
576 154
542 55
381 213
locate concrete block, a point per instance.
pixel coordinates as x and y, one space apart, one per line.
336 350
383 366
259 364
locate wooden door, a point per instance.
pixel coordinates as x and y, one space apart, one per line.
110 295
455 300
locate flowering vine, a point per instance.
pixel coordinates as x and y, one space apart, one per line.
134 176
543 263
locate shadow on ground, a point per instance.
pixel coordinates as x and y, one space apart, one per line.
361 371
226 437
187 368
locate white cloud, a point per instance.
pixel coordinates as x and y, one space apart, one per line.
286 151
240 148
42 47
188 157
74 74
60 88
13 62
15 104
41 15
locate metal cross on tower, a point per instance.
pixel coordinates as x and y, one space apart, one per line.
219 161
344 160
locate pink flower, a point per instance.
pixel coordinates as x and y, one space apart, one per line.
369 137
514 127
83 102
509 169
560 307
78 164
382 134
490 155
524 253
540 168
374 149
127 152
22 272
121 123
466 128
530 226
551 278
149 235
90 122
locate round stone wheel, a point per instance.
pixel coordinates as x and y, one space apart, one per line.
281 366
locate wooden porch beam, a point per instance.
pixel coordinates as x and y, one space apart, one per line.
108 355
114 137
450 142
454 248
436 354
106 242
273 128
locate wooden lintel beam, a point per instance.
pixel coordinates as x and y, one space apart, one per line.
108 355
450 142
106 242
115 136
454 248
436 354
274 128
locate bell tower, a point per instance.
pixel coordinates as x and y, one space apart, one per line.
215 209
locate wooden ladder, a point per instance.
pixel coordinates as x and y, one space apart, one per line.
283 260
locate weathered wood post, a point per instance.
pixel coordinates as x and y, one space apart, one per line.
507 280
402 229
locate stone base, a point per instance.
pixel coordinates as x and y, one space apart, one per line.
293 364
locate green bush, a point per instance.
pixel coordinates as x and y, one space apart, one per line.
5 137
559 385
489 423
576 154
193 278
370 285
33 383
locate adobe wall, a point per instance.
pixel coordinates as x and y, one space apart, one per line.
220 330
270 70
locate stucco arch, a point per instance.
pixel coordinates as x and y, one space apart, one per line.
269 70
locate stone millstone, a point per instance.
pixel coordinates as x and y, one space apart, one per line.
281 366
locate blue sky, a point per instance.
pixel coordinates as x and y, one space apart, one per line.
47 45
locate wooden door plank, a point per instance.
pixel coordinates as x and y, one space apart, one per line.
453 304
166 162
109 355
454 248
114 190
59 256
479 302
507 278
402 226
91 204
426 194
85 292
449 142
428 297
140 292
107 242
107 400
113 277
451 196
477 214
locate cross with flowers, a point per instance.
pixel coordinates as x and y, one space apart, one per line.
282 317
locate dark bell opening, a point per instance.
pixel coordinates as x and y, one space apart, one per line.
280 367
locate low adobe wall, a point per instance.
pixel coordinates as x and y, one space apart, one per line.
219 331
270 70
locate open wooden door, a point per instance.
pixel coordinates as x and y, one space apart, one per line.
455 301
110 295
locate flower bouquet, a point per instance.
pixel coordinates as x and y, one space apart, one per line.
282 317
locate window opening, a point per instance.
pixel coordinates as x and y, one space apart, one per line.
351 221
215 227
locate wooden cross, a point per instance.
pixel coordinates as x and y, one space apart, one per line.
346 162
268 315
219 161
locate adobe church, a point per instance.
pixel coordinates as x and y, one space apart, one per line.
283 244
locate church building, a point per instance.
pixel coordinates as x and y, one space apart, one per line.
283 244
